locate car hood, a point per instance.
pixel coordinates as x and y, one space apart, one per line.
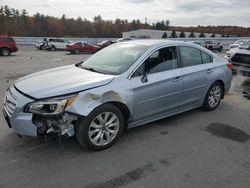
61 81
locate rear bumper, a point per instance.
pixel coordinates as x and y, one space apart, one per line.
241 70
14 49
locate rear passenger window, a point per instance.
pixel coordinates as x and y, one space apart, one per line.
8 40
190 56
206 58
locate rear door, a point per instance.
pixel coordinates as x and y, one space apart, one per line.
197 72
158 92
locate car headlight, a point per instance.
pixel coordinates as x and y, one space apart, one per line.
52 106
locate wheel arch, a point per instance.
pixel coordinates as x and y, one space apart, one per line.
123 107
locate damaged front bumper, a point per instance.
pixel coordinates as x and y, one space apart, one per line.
29 124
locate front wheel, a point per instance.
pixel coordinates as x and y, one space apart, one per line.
101 128
53 48
5 51
213 97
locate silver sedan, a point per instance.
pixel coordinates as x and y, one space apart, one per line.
122 86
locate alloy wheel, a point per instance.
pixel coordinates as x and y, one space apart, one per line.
104 128
214 96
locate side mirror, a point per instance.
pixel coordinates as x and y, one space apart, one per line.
144 78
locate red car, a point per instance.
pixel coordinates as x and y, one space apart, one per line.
78 47
7 45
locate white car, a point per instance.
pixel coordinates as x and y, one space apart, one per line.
57 44
238 43
39 45
240 58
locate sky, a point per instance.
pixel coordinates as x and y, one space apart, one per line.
179 12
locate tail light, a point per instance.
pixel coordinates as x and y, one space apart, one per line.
230 66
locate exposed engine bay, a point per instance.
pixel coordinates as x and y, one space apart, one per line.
61 125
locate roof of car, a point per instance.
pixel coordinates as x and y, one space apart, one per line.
152 42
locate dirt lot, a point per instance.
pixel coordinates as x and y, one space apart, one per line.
195 149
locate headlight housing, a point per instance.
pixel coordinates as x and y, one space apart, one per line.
52 106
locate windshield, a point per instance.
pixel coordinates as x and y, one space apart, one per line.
240 42
114 59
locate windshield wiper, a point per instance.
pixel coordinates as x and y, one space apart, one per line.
93 70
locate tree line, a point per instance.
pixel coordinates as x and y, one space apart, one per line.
18 23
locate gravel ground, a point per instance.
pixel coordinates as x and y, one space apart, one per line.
190 150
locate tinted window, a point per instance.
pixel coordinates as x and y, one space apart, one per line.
79 43
86 44
59 40
190 56
8 40
206 58
208 42
161 60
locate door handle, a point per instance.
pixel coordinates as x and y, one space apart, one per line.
177 79
210 70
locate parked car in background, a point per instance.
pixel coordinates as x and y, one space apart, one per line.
57 44
82 46
123 39
246 93
213 45
240 58
39 45
104 43
238 43
7 45
122 86
197 42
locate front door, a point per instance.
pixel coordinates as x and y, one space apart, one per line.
157 85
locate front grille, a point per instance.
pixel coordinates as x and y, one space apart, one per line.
10 102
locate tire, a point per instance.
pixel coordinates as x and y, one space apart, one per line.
76 51
213 97
5 51
41 47
53 48
210 48
93 133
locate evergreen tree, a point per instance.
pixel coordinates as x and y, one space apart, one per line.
165 35
182 35
173 34
191 35
202 35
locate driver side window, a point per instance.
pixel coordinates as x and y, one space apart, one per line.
161 60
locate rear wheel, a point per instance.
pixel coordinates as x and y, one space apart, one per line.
5 51
76 51
101 128
213 97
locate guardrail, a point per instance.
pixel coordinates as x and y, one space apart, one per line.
33 40
225 41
